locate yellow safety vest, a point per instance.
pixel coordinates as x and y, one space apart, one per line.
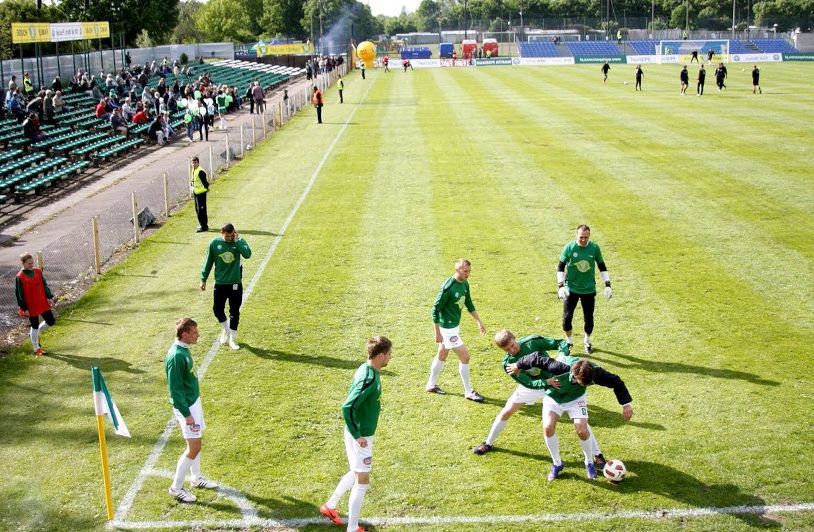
196 183
28 85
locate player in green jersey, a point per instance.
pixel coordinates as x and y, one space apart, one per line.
186 406
571 396
361 413
576 282
531 384
446 317
224 254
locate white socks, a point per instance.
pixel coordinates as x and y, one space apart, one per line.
181 470
553 444
345 483
225 325
587 339
195 467
497 428
357 495
463 371
43 326
35 338
594 443
587 449
569 339
233 334
435 370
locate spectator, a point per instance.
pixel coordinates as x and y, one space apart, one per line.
59 105
56 85
48 107
118 123
203 120
28 84
127 110
258 97
35 105
12 84
251 98
101 110
16 109
172 103
156 130
141 116
31 128
169 132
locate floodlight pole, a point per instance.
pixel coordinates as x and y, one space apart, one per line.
733 19
687 16
465 24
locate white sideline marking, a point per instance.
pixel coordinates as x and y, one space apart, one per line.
247 511
155 454
459 519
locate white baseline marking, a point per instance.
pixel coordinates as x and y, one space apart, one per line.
496 519
152 459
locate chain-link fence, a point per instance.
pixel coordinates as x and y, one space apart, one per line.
84 250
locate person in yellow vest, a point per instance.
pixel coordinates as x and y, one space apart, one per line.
316 99
28 85
199 186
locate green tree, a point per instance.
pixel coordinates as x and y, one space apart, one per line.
187 31
158 17
283 18
225 20
21 11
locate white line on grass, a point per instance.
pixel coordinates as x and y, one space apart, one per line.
152 459
669 513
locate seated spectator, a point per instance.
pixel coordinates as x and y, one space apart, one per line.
101 110
59 105
147 97
35 105
140 117
172 103
117 122
127 110
12 84
156 131
48 107
169 132
162 106
31 128
56 85
16 109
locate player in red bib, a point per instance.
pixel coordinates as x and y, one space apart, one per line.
34 299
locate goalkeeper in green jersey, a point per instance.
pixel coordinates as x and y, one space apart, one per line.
531 384
576 282
446 317
361 414
571 396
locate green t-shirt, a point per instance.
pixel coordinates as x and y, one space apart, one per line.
361 408
569 388
221 100
453 296
535 378
181 380
580 270
225 256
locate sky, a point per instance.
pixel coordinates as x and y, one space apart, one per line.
391 7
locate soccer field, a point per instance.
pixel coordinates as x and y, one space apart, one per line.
702 207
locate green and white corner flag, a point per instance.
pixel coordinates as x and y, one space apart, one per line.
104 404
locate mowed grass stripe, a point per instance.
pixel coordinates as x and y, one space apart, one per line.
742 237
502 112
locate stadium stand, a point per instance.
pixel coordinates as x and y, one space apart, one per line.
771 46
644 47
592 48
538 49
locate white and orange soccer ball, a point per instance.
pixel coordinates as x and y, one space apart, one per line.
614 470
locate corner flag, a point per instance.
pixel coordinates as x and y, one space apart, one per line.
103 403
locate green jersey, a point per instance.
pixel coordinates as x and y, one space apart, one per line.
221 101
181 380
361 408
453 296
535 378
581 266
225 256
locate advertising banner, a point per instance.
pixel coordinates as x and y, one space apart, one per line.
756 58
798 57
642 59
455 63
425 63
578 59
95 30
68 31
504 61
522 61
281 49
26 32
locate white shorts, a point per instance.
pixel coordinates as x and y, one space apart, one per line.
359 458
451 338
527 395
196 411
577 409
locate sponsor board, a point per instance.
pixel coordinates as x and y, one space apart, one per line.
425 63
669 59
798 57
455 63
756 58
642 59
27 32
281 49
68 31
542 61
579 59
489 61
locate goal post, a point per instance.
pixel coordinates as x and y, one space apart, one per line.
680 51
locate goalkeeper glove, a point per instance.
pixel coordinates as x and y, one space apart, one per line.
608 292
562 292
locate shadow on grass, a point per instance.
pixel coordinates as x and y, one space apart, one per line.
255 232
658 366
685 489
105 364
284 507
301 358
602 417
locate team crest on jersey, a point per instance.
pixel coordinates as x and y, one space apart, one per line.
575 254
219 247
227 257
583 266
456 294
368 460
453 339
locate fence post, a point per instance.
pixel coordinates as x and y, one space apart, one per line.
263 119
39 259
242 143
254 131
227 150
136 227
166 195
97 253
211 166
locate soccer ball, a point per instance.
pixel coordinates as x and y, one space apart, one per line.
625 82
614 470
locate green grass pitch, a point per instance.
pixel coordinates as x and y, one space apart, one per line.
703 210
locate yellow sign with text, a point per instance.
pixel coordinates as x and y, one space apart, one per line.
96 30
26 32
281 49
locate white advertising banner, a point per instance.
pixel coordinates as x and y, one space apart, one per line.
642 59
542 61
425 63
67 31
756 58
455 63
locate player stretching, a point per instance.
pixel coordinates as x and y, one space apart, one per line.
531 384
187 408
361 413
579 284
571 397
446 316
